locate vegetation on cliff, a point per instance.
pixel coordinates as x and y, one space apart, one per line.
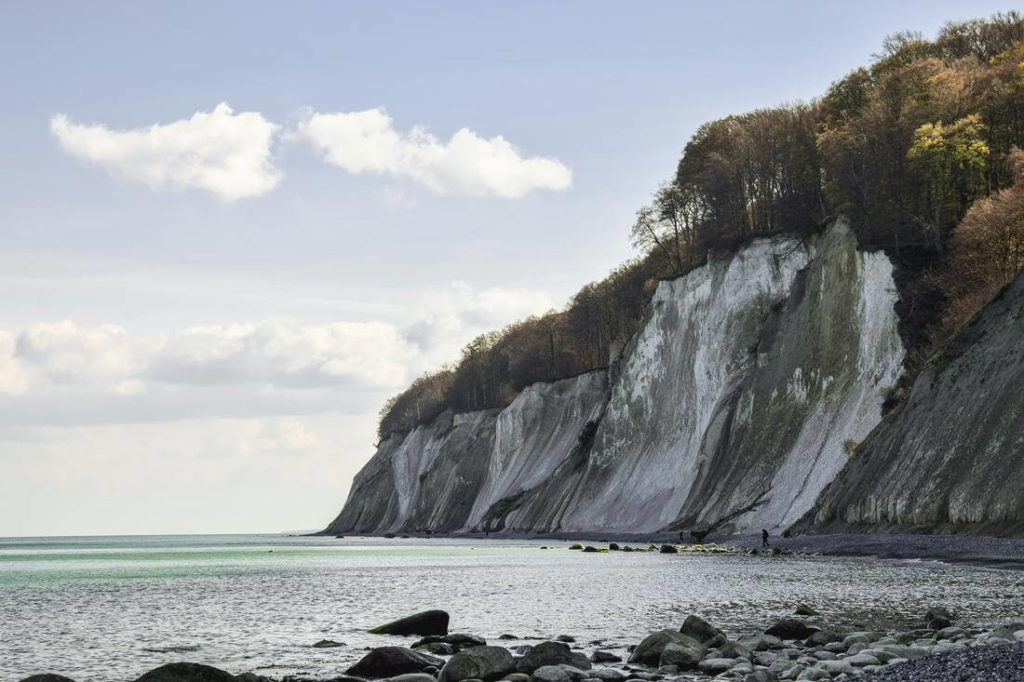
919 149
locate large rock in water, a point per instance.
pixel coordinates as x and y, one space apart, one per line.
186 672
388 661
433 622
650 649
551 653
738 392
948 458
699 629
487 663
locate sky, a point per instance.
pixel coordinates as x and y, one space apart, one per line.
231 230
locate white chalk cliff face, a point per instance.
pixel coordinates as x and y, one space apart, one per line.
735 403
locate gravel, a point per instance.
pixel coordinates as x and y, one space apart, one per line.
996 663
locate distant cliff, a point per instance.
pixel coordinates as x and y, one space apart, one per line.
740 398
952 457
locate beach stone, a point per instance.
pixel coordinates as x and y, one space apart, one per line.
699 629
861 660
412 677
433 622
186 672
327 644
823 637
517 677
823 655
669 549
908 652
760 642
506 636
551 653
951 633
684 654
735 650
851 640
714 666
550 673
939 623
568 639
765 658
461 640
813 674
938 612
435 648
606 674
837 667
649 650
389 661
487 663
604 656
47 677
760 676
790 628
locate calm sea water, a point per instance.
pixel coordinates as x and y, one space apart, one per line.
110 608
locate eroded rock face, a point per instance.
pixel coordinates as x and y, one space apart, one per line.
734 403
950 458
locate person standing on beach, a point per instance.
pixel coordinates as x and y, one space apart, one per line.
764 538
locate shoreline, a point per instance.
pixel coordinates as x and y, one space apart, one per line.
982 551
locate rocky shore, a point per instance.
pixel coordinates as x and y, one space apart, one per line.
791 648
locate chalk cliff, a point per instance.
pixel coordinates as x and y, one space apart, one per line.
737 402
951 458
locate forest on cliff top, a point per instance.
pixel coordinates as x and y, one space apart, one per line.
920 149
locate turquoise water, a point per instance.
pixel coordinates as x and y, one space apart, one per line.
110 608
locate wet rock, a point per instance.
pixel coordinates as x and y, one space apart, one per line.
939 623
606 675
327 644
575 545
823 637
790 628
760 642
860 660
507 636
604 656
669 549
435 648
735 650
804 610
938 612
460 641
590 549
388 661
186 672
684 654
47 677
433 622
649 650
699 629
761 676
568 639
487 663
837 667
411 677
613 547
517 677
550 673
714 666
551 653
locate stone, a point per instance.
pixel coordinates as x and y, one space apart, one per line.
614 547
487 663
939 623
460 641
550 673
669 549
938 612
47 677
186 672
605 656
684 654
699 629
714 666
804 610
327 644
590 549
551 653
507 636
412 677
735 650
388 661
606 675
837 667
823 637
860 660
761 676
517 677
433 622
790 628
760 642
568 639
435 648
575 545
649 650
813 674
575 674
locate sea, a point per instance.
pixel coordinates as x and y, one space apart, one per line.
105 609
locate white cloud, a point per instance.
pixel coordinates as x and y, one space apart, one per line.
367 142
282 353
66 353
219 151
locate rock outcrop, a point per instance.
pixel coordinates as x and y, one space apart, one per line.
733 406
950 458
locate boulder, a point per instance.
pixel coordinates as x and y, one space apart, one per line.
603 656
462 641
551 653
699 629
388 661
434 622
669 549
790 628
684 655
649 650
186 672
487 663
590 549
714 666
327 644
550 673
735 650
